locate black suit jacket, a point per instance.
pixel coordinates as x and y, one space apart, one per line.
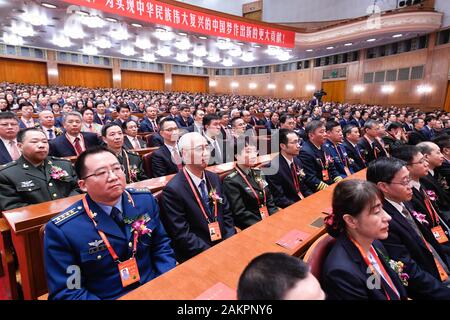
281 184
104 121
184 220
128 145
430 182
162 164
368 153
61 146
405 245
444 172
156 141
345 275
416 137
5 157
183 124
354 154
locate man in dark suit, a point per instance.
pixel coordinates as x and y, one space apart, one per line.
394 136
351 138
369 146
131 140
425 261
26 120
416 135
173 112
184 119
35 177
100 116
211 125
167 159
74 141
444 170
9 127
124 114
149 124
428 130
285 174
196 212
408 126
265 121
319 168
345 119
356 120
197 126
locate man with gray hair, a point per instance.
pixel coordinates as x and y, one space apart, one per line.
369 145
73 142
194 210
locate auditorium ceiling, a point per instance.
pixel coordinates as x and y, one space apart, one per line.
60 26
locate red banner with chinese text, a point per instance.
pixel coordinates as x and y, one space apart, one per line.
190 20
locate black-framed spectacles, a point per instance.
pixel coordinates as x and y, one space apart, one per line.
405 183
103 173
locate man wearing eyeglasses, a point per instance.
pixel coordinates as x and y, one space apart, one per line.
109 243
167 160
34 177
196 211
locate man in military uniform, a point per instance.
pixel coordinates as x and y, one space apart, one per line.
113 137
110 242
35 177
247 190
319 168
334 148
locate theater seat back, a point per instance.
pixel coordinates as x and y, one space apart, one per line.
147 164
317 253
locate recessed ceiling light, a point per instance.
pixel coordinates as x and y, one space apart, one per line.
329 48
137 25
348 44
203 37
83 13
48 5
371 40
182 34
397 35
239 43
111 19
256 46
309 50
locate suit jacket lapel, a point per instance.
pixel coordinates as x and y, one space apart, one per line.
130 212
104 222
31 170
4 152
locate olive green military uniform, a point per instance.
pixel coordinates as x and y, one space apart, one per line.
133 167
22 184
242 200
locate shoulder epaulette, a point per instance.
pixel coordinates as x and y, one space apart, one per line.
67 215
7 165
138 190
231 175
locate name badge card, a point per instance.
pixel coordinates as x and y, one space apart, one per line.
264 212
129 272
214 231
439 234
325 175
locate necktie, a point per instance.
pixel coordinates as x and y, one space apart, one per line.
218 154
155 127
117 217
204 195
177 159
137 145
77 146
29 124
15 154
50 134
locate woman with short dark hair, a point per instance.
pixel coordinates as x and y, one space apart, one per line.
358 267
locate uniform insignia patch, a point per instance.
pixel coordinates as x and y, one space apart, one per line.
27 184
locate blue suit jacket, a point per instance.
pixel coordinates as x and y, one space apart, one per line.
184 220
183 124
162 164
345 275
104 121
71 239
427 132
146 126
281 184
404 244
61 147
5 157
355 156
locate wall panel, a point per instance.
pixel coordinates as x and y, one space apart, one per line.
189 83
142 80
335 91
21 71
70 75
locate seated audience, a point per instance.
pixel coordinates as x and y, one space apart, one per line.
196 214
9 127
278 276
369 146
351 138
88 122
131 139
47 124
167 159
333 147
149 123
93 236
35 177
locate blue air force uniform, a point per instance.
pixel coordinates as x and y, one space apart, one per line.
71 239
340 157
314 163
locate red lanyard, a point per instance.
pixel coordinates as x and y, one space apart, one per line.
374 146
372 268
337 148
200 204
430 208
128 165
251 188
294 178
103 236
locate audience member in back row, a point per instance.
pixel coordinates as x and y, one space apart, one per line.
167 160
34 177
9 127
247 190
131 139
285 174
93 236
73 142
278 276
410 240
351 138
196 213
358 267
112 135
